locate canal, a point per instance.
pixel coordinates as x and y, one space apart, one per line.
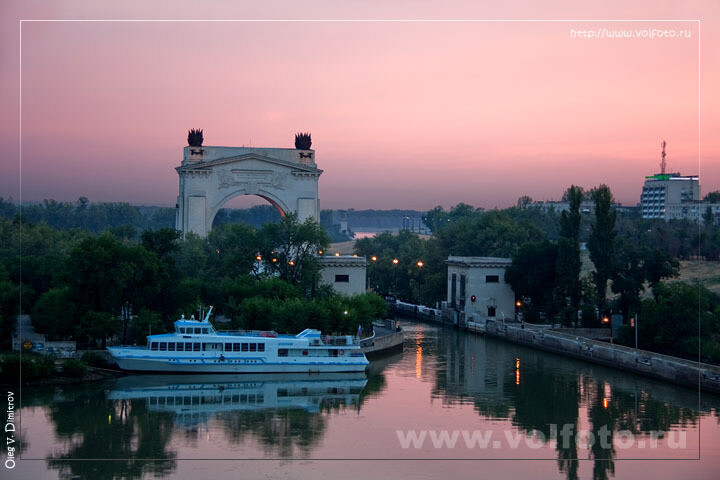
451 405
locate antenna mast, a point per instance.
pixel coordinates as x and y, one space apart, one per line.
663 165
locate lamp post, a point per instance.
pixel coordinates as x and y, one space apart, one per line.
606 321
518 304
395 263
636 331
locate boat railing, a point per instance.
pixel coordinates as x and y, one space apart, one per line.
339 340
250 333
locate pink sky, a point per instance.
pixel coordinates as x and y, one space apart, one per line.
403 115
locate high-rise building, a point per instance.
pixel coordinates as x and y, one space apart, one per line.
671 195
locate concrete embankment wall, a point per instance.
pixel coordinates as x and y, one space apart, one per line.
386 337
664 367
383 343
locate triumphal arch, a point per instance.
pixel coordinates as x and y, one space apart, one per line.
211 176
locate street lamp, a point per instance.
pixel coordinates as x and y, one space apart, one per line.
395 262
606 321
420 264
373 258
518 304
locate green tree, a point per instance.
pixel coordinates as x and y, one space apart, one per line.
569 263
9 308
533 276
602 242
628 277
658 265
294 246
55 313
712 197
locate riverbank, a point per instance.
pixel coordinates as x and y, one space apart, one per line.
664 367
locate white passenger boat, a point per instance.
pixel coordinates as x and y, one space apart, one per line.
196 347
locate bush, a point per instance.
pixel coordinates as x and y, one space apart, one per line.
34 367
74 368
94 359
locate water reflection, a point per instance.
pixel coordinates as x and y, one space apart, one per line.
136 418
553 391
194 400
145 424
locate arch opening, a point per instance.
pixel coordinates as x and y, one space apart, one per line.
251 209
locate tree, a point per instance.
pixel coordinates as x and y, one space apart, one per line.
294 246
569 263
532 276
658 265
602 242
712 197
104 274
573 190
233 250
669 323
163 242
9 307
524 202
708 216
628 277
55 312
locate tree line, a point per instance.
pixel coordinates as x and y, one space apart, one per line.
569 267
89 287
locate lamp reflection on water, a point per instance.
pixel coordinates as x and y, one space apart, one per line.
418 361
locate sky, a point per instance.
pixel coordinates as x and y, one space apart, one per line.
402 114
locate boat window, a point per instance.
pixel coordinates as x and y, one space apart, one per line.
163 346
197 331
244 347
153 346
236 347
228 347
305 352
261 347
282 352
196 347
253 347
333 352
171 347
204 346
181 330
180 346
204 330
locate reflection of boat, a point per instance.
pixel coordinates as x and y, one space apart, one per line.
194 398
196 347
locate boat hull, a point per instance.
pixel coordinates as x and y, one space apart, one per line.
165 366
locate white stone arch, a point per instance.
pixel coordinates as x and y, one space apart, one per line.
211 176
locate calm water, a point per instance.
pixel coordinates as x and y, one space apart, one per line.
300 426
